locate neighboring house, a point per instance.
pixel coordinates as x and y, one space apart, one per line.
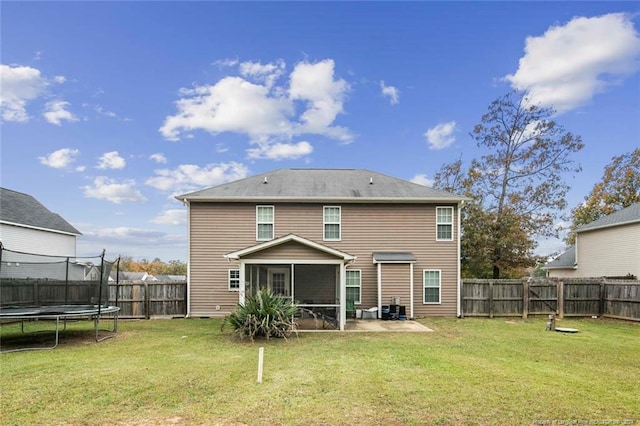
326 238
607 247
171 278
131 277
28 226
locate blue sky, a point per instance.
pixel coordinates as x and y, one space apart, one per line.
110 109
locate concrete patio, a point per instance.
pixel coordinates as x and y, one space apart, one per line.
381 326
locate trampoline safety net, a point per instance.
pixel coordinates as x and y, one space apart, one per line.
34 280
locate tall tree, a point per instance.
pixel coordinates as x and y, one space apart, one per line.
516 186
619 188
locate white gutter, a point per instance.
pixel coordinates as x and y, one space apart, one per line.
459 301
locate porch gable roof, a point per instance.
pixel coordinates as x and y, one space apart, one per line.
285 239
393 257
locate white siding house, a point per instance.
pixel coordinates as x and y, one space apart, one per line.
28 226
607 247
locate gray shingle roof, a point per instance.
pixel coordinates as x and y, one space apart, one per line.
393 257
23 209
321 185
629 214
564 261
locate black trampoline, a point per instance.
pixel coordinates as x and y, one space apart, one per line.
44 289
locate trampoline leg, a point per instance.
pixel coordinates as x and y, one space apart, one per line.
114 331
55 345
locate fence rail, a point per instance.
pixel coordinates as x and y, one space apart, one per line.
564 297
135 300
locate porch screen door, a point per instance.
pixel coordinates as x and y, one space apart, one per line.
279 281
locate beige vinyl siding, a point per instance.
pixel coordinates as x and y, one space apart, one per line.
396 282
220 228
291 250
613 251
563 273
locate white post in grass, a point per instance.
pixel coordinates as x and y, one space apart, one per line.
260 362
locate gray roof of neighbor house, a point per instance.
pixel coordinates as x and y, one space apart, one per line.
22 209
627 215
564 261
308 185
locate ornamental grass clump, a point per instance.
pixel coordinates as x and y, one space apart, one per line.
263 315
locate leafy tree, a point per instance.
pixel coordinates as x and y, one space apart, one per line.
619 188
155 267
516 186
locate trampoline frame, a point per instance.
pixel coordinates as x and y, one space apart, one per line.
60 313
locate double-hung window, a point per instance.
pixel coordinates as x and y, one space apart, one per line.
353 285
331 222
444 223
431 286
234 279
264 223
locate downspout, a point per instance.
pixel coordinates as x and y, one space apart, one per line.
186 203
459 301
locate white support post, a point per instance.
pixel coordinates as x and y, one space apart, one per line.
242 280
379 290
411 290
343 296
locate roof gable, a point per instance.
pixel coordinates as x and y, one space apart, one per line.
625 216
286 239
307 185
17 208
566 260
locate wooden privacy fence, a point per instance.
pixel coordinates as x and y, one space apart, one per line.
150 299
135 300
564 297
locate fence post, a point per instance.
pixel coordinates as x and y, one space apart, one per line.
490 299
147 314
525 298
560 304
603 295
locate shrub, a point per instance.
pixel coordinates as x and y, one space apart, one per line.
263 315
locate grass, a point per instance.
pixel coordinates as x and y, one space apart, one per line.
471 371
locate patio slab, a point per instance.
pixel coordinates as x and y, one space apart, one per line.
382 326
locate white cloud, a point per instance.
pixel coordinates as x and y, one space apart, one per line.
60 159
59 79
422 180
390 91
263 73
104 188
111 160
20 84
159 158
568 64
231 105
280 151
259 109
189 177
171 217
55 112
226 62
315 84
100 110
441 135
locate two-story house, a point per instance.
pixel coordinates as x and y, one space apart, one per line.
327 238
607 247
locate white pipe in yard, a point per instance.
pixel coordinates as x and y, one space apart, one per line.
260 363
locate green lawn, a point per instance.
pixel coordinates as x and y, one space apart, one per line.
471 371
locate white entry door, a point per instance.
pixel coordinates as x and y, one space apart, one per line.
279 281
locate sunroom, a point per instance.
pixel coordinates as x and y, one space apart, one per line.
313 275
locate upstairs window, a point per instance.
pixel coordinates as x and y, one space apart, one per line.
331 221
444 223
264 223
